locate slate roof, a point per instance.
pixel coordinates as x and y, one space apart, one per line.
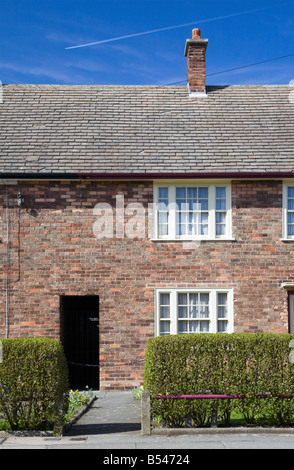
52 129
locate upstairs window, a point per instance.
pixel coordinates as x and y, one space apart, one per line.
288 211
192 211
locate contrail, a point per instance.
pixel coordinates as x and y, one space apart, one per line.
177 26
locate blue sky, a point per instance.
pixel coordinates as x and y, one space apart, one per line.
35 35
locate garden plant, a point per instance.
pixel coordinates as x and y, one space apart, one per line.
254 366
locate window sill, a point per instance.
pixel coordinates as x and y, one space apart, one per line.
287 239
193 240
288 285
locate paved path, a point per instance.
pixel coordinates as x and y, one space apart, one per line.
113 422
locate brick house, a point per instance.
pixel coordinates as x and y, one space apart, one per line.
134 211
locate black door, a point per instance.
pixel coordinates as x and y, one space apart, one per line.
80 339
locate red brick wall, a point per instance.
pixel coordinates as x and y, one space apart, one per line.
54 252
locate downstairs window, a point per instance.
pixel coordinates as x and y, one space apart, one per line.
194 311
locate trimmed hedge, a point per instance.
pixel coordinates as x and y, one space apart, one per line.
33 379
230 364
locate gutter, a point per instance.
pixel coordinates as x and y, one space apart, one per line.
146 175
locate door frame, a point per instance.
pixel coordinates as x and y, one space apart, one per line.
291 312
64 317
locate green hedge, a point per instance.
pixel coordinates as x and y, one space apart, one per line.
231 364
33 379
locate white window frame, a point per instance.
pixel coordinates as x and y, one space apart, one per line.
173 292
285 235
172 236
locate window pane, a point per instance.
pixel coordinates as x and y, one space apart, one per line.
193 311
181 217
220 205
193 299
220 193
164 312
222 308
192 229
204 299
220 217
164 328
204 218
162 205
290 191
222 312
204 306
182 327
204 327
204 230
162 193
204 312
290 217
222 298
163 217
193 327
220 230
291 229
202 205
164 306
181 193
191 205
193 305
163 214
182 312
162 230
192 218
182 299
192 193
220 227
182 205
222 326
181 230
290 204
164 299
220 202
203 193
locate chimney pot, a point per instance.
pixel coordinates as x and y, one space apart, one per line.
196 33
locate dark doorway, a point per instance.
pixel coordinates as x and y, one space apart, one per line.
79 317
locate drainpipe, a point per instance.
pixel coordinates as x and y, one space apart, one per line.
8 263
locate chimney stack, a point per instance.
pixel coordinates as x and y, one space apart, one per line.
195 51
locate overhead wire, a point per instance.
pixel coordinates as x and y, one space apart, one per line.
238 68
